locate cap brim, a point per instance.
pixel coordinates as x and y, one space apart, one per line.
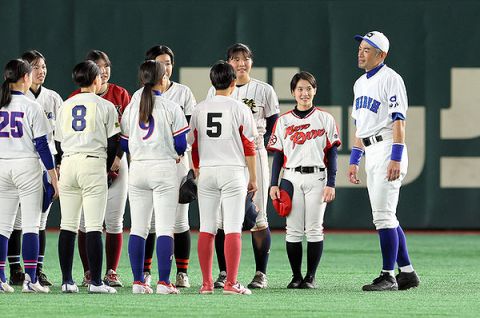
360 38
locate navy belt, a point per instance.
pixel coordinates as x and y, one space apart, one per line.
368 141
303 169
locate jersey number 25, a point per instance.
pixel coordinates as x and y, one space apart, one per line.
16 125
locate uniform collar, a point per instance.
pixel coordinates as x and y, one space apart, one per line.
156 93
375 70
17 93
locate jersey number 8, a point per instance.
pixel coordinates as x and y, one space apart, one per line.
78 113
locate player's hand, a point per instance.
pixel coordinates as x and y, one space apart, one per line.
196 171
393 170
57 170
116 164
54 182
328 194
353 174
274 192
252 186
178 160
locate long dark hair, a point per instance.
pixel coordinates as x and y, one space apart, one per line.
13 71
150 73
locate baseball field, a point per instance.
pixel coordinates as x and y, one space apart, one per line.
448 265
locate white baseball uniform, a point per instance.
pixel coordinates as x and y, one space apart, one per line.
224 133
153 182
263 102
377 97
84 123
21 122
183 96
304 143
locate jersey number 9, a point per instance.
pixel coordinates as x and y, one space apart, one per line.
149 127
16 126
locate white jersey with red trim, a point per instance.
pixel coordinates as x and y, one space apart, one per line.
222 127
85 121
376 98
153 140
21 122
304 141
260 98
51 102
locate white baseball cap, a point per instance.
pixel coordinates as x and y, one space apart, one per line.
376 39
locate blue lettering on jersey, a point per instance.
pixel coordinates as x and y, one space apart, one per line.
367 102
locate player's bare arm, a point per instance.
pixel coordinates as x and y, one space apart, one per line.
353 168
252 171
393 169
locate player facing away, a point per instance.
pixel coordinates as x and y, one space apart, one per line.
117 168
154 133
86 123
51 102
263 102
183 96
224 132
305 142
23 139
380 111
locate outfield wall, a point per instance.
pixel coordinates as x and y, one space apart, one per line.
434 46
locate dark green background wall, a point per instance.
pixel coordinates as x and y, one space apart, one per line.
428 39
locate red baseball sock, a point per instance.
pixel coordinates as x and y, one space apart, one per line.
233 250
113 249
82 249
205 256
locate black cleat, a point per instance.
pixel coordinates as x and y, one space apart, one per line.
407 280
384 282
17 277
295 283
43 279
308 283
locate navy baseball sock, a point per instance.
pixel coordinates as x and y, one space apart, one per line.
164 257
261 241
136 252
314 254
402 258
182 250
41 249
82 250
66 248
294 252
149 248
389 246
14 249
95 256
3 256
30 254
220 250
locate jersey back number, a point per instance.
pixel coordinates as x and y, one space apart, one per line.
214 126
14 120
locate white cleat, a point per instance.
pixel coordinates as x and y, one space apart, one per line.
29 287
182 280
141 288
6 288
235 289
69 288
165 289
102 289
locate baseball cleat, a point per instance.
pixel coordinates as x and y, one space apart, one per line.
147 278
295 282
165 289
235 289
43 279
384 282
6 288
221 279
102 289
111 279
182 280
86 279
29 287
308 283
141 288
17 277
69 288
407 280
206 289
258 281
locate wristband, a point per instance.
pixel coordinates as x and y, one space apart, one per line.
355 156
397 151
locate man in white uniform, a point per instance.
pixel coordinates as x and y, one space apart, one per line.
379 109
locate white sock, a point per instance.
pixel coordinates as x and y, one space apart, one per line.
392 272
406 269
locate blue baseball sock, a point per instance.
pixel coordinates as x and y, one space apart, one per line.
30 248
402 258
164 257
389 246
136 252
3 256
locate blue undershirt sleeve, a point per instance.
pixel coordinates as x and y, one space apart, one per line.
41 144
278 159
331 166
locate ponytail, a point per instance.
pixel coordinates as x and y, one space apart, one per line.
6 94
150 74
12 73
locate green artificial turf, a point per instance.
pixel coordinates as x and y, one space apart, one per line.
448 265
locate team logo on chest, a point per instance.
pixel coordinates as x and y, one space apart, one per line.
368 103
250 103
298 134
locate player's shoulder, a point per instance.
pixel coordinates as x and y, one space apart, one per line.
392 74
169 104
180 87
117 89
260 83
319 111
51 93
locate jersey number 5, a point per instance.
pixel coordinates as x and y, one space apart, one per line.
16 126
214 127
